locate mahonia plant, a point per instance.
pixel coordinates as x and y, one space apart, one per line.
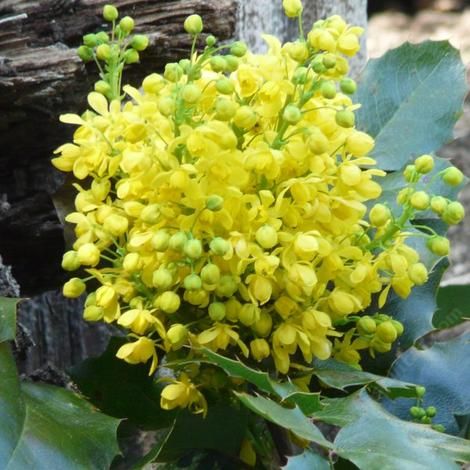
230 204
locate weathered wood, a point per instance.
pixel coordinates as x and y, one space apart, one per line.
40 78
266 16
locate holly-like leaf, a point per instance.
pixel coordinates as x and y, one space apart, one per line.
120 389
8 318
288 418
341 376
46 427
373 439
307 460
452 306
222 430
404 105
260 379
444 369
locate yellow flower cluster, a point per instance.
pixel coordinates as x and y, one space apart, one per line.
223 205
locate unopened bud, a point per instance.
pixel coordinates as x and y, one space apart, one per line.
418 273
215 203
70 261
440 246
420 200
193 25
126 24
74 288
110 13
452 176
217 311
292 114
348 86
345 118
266 236
140 42
379 215
424 164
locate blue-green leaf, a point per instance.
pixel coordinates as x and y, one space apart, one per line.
452 306
307 460
444 369
8 318
411 99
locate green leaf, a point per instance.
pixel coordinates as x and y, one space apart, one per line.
46 427
444 369
410 100
8 318
341 376
452 306
308 460
222 430
120 389
235 368
288 418
373 439
309 403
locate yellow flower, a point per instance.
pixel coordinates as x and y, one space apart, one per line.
183 394
139 351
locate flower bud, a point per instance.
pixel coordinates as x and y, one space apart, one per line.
160 240
215 203
238 49
168 302
231 63
227 286
70 261
404 195
452 176
178 241
85 53
454 213
328 89
102 37
193 248
263 325
102 87
300 76
224 86
192 282
266 236
298 51
140 42
409 173
232 308
318 143
417 412
249 314
211 40
126 24
348 86
292 114
110 13
366 325
431 411
131 262
438 245
386 332
380 346
418 273
116 224
193 25
259 349
218 63
398 326
424 164
420 391
150 214
103 52
438 204
245 117
191 93
210 274
162 278
173 72
177 335
166 105
379 215
292 8
219 246
225 109
329 61
93 313
73 288
90 40
420 200
359 143
88 254
345 118
153 83
131 56
306 246
217 311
